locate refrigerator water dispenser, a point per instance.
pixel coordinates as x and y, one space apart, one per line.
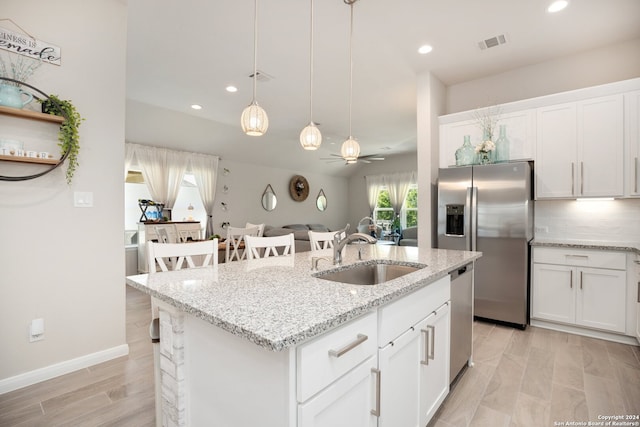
455 220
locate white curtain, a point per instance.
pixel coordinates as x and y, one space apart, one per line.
398 185
163 171
374 183
205 170
129 152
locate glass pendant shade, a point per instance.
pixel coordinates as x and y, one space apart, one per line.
254 120
350 150
310 137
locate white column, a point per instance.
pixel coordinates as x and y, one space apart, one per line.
431 101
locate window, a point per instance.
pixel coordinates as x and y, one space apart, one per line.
383 214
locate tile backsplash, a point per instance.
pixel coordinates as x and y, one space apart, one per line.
606 221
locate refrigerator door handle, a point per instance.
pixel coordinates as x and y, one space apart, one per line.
473 217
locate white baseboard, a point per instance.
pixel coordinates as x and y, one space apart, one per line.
592 333
52 371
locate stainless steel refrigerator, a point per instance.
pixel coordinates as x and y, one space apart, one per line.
489 208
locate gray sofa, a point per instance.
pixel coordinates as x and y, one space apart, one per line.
409 237
300 233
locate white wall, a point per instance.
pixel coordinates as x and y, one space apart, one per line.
595 67
247 183
62 263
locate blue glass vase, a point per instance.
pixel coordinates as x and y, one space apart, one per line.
466 154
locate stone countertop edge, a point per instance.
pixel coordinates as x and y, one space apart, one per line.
588 244
231 279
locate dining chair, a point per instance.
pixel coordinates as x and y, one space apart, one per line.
234 245
196 254
166 233
323 239
263 247
260 228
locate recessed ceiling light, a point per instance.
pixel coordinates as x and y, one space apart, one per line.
557 6
231 89
425 49
196 107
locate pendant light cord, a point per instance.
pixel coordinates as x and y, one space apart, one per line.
350 65
311 69
255 49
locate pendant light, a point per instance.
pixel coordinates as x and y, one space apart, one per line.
350 149
254 119
310 137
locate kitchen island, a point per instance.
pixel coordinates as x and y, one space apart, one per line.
246 343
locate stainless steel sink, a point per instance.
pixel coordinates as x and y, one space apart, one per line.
368 274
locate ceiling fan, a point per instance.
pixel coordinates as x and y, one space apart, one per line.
361 159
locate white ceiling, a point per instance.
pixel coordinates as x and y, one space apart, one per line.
185 52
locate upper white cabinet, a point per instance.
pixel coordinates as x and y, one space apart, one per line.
580 149
632 143
520 129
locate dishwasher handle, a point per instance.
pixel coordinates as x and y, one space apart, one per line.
460 271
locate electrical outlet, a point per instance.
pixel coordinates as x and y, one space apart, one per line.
36 330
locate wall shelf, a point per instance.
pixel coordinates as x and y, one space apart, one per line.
32 115
23 159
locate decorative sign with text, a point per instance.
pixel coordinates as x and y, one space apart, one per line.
27 46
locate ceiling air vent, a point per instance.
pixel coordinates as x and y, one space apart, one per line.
261 76
492 42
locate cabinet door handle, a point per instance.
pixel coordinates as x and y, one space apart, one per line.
376 411
571 279
581 280
638 291
426 347
581 178
585 257
353 344
432 346
573 179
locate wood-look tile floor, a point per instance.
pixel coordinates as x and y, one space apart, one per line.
539 378
521 378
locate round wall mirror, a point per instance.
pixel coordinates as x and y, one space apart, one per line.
321 201
269 199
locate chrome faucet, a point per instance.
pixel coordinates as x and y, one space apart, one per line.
339 242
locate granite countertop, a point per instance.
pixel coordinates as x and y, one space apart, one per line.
589 244
277 303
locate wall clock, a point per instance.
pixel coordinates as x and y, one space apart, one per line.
298 188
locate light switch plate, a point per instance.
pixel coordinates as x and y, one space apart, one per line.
83 199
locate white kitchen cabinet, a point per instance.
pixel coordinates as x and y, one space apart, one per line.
632 143
580 149
520 128
349 402
553 296
580 287
414 369
434 368
400 380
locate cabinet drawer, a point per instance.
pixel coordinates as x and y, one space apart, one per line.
580 258
397 317
328 357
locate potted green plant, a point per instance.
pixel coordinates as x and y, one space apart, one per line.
68 136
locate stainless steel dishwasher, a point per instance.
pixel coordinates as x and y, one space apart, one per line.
461 319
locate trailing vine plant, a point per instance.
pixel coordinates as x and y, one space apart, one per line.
68 136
